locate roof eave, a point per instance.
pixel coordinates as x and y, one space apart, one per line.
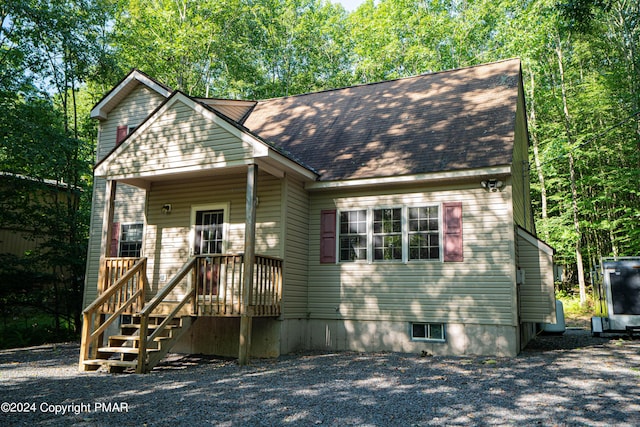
432 177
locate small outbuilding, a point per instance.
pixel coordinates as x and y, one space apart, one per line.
618 296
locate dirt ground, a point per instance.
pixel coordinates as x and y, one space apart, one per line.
583 322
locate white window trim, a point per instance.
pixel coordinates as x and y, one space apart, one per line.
225 227
427 339
404 238
122 225
440 232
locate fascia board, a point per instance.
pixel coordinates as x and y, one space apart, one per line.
101 109
533 240
497 171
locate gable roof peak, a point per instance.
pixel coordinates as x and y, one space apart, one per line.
135 77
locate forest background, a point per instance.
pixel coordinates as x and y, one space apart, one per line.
581 65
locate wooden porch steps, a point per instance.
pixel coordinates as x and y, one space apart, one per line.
110 364
123 350
133 338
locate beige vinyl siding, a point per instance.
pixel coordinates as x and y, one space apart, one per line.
93 246
296 218
132 111
129 206
479 290
167 242
177 140
522 211
537 301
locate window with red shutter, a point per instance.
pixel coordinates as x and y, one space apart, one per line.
328 236
121 134
452 232
407 234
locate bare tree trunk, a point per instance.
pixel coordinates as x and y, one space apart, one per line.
536 155
576 225
572 173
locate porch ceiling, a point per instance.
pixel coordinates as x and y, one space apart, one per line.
144 181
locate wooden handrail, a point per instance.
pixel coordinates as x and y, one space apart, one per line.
111 269
214 292
89 339
121 310
162 293
148 309
116 286
170 316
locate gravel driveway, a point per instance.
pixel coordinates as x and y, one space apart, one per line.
574 379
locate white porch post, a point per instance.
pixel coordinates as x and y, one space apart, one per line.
249 260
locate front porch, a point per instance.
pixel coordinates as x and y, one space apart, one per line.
187 177
211 285
216 281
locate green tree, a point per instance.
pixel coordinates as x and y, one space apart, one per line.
235 48
299 46
181 43
50 49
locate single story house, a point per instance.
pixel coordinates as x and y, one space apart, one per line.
391 216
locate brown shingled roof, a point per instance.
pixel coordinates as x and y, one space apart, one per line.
452 120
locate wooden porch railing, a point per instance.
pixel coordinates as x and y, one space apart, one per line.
144 344
113 269
266 295
213 284
124 295
220 282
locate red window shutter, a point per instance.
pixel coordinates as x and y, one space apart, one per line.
452 230
121 134
328 236
115 239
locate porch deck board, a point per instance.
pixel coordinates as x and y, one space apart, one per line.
234 311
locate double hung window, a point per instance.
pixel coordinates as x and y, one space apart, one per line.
387 234
353 235
424 233
401 233
131 240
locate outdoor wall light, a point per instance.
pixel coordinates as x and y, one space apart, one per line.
492 185
166 208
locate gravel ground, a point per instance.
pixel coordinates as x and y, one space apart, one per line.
569 380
